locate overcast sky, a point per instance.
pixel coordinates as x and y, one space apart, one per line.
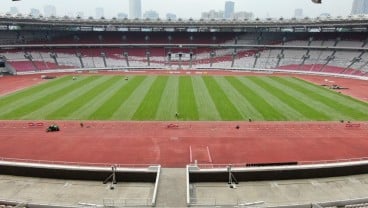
185 8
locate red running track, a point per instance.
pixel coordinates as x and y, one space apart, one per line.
11 84
206 142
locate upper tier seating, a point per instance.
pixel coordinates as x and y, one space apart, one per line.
318 60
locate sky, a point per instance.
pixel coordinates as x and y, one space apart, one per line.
185 8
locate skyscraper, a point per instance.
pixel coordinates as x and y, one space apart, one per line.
242 15
212 14
171 16
135 9
35 12
298 13
229 9
360 7
151 14
99 12
49 10
122 15
13 10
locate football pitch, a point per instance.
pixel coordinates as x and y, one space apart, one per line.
193 98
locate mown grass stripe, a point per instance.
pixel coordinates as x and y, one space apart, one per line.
34 104
355 108
148 107
206 108
131 104
98 101
246 109
308 112
169 101
187 106
285 111
266 110
115 100
30 92
41 113
319 101
224 106
73 105
302 105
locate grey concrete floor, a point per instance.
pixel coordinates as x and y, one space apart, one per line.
287 192
72 193
172 191
172 188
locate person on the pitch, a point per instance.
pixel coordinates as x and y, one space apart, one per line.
177 115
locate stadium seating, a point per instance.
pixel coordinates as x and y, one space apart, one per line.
21 66
325 60
24 66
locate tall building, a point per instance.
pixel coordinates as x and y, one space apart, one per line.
49 10
243 15
298 13
122 15
171 16
151 14
360 7
99 12
229 9
135 9
212 14
35 12
13 10
325 15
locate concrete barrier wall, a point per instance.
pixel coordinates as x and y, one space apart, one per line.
279 173
77 173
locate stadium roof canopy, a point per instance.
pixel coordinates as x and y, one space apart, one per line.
328 24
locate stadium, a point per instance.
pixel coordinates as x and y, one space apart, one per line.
176 113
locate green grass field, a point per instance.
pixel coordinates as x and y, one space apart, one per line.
195 98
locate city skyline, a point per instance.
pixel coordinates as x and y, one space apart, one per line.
184 8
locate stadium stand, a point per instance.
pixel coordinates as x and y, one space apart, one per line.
326 60
230 46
